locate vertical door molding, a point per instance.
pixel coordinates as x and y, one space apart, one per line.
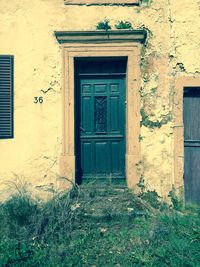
67 158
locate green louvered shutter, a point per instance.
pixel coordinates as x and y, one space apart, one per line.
6 96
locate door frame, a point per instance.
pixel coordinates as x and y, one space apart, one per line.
72 50
178 129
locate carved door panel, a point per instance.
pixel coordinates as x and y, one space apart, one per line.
102 128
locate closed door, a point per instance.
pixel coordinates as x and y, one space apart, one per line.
101 145
192 144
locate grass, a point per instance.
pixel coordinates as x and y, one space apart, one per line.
92 227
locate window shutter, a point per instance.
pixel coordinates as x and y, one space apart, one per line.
6 96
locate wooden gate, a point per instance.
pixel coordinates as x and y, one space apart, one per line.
192 144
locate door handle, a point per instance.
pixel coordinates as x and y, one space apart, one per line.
82 129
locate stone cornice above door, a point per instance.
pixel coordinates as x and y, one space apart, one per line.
111 36
102 2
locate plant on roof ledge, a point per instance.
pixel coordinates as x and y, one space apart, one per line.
103 25
123 25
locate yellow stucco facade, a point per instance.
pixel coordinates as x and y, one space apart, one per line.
171 52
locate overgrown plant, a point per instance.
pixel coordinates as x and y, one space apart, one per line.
69 230
177 202
20 209
141 184
146 3
123 25
141 138
150 197
103 25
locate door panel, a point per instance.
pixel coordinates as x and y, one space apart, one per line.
102 128
192 171
191 117
87 155
115 114
116 160
102 157
86 114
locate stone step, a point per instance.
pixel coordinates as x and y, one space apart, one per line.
108 203
115 216
102 203
101 190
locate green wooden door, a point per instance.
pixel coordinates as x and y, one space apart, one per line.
102 128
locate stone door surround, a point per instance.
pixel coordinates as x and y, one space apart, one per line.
120 43
181 82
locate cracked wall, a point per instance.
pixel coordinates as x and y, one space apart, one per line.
27 27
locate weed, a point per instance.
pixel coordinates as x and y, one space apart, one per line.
14 253
103 25
175 199
152 198
141 138
123 25
146 2
58 233
141 184
20 209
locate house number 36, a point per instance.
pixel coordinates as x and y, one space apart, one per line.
38 99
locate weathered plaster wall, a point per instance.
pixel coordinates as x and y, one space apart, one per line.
177 57
27 33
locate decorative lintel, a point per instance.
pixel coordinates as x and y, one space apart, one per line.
111 36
